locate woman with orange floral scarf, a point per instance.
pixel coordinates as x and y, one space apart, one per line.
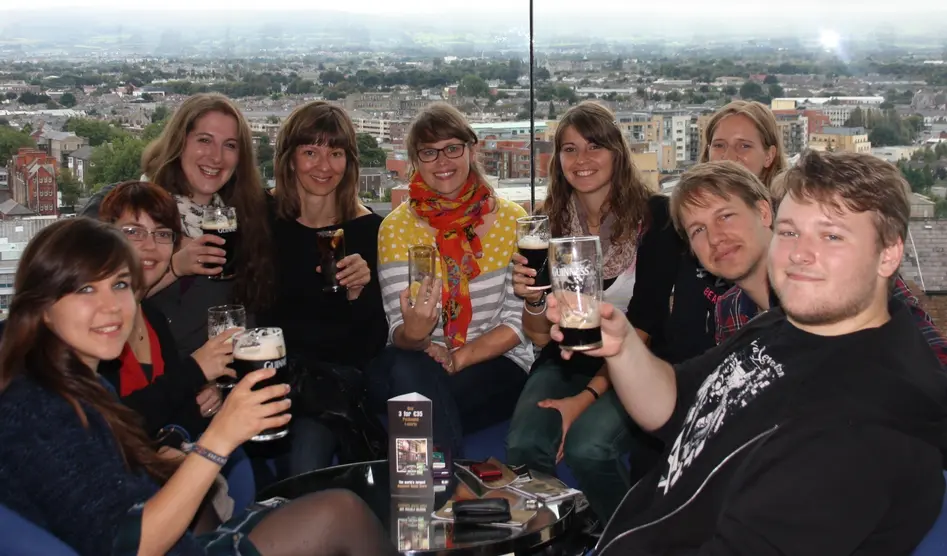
460 342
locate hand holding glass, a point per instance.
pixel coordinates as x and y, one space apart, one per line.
576 271
219 319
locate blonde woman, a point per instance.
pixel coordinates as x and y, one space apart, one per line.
205 158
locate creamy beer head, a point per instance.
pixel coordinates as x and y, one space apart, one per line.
260 344
586 321
533 242
220 224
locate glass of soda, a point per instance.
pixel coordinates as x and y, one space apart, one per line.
331 246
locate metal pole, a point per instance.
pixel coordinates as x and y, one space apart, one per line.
532 116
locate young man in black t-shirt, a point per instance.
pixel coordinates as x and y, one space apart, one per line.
818 428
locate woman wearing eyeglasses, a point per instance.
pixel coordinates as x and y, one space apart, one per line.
150 376
460 341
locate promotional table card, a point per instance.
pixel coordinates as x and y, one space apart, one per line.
410 445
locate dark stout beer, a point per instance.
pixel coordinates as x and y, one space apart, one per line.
581 339
536 251
331 247
258 349
224 227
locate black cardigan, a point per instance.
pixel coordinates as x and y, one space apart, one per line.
170 398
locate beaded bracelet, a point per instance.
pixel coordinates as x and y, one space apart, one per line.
204 453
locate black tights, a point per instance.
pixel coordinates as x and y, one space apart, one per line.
329 523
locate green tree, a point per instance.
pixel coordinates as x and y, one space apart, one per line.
118 161
884 135
68 100
770 80
940 208
264 155
160 113
153 130
473 86
856 118
11 95
69 186
272 120
370 155
552 111
751 90
96 131
33 98
11 141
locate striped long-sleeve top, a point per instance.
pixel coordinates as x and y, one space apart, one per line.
491 293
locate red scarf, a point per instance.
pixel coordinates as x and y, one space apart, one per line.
455 221
131 376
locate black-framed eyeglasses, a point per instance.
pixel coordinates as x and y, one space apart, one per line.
450 151
137 233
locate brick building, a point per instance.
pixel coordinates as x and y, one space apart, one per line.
33 181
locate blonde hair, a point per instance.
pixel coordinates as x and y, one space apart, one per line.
722 178
765 122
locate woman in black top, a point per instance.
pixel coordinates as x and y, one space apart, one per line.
205 158
567 409
72 459
150 376
316 170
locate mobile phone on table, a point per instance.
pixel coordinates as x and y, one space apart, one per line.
486 471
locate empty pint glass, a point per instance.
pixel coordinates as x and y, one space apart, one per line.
261 348
420 266
220 319
331 246
576 269
532 241
222 222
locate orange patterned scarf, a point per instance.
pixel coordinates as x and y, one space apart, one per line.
458 245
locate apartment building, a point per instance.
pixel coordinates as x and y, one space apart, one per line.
33 181
58 144
841 139
509 159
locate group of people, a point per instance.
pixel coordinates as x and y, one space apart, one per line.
764 369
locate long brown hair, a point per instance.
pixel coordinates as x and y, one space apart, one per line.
141 197
316 123
59 261
161 162
765 122
440 121
628 197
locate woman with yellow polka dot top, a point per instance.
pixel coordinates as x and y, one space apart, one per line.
459 341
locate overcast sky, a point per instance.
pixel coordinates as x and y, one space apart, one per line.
719 8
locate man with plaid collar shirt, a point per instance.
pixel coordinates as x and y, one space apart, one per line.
726 215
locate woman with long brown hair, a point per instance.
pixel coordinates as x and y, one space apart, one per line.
205 158
568 410
316 170
72 459
457 339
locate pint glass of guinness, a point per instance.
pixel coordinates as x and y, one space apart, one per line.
576 269
331 246
222 222
532 240
261 348
219 319
420 266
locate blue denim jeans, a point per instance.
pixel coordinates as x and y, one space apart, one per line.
595 445
312 445
473 399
